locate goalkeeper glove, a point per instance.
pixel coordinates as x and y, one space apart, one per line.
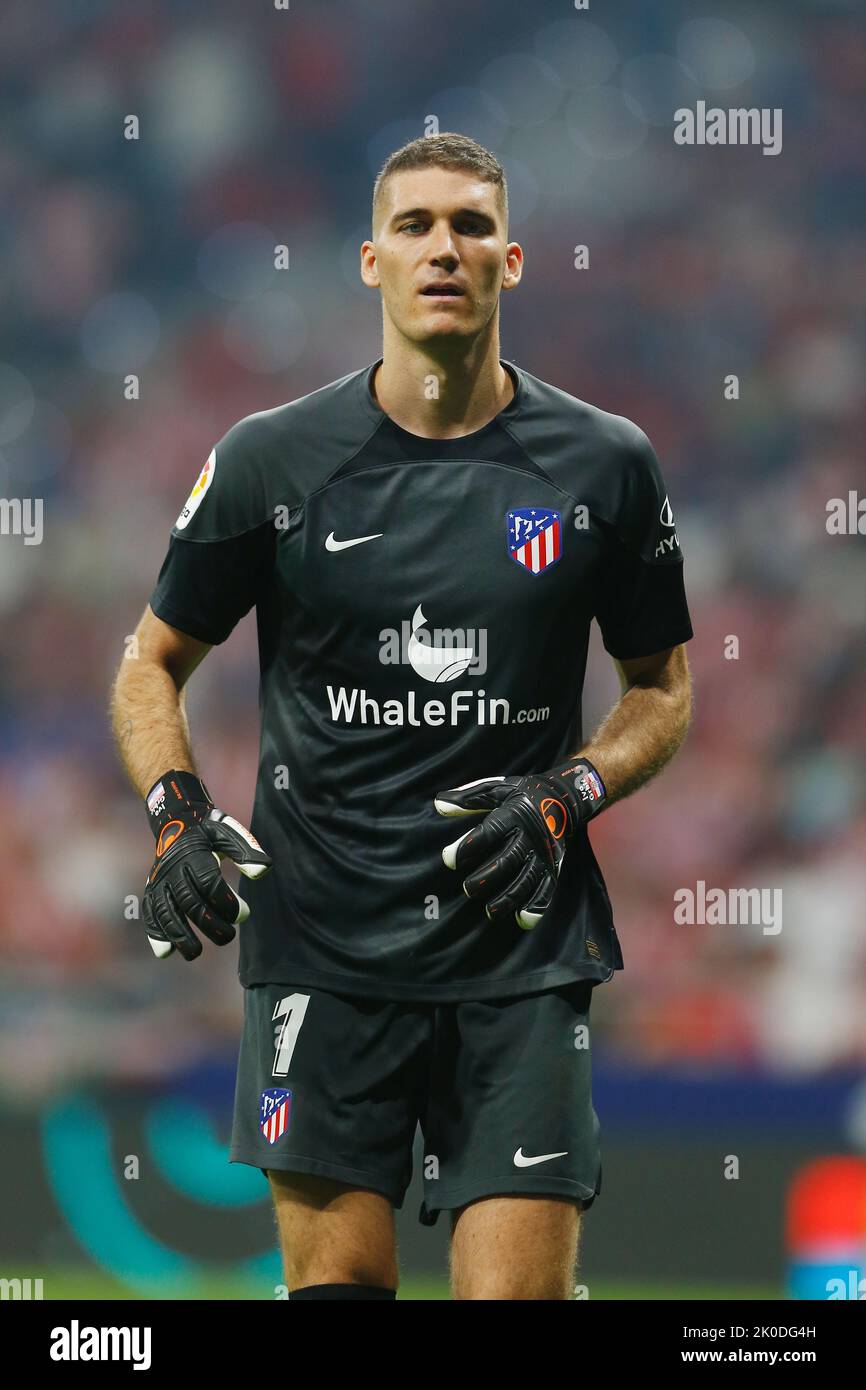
185 880
516 853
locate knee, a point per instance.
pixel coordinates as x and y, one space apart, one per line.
498 1287
332 1265
332 1234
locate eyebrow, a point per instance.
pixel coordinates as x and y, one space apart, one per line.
425 212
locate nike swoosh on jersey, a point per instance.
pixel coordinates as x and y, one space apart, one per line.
521 1161
331 544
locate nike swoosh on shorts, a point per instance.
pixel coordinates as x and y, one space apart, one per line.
521 1160
332 544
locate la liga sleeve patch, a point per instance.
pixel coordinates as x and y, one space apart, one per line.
194 501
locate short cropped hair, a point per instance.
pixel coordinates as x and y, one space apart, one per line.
449 151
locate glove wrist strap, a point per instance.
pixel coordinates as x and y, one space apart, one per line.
581 786
176 794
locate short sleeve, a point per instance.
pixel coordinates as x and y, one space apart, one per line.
640 601
222 546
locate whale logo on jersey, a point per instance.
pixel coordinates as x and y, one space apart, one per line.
435 663
534 536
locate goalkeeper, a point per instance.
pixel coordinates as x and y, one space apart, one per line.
427 920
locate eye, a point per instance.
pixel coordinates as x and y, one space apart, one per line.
407 225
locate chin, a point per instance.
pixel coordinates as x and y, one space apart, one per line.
444 334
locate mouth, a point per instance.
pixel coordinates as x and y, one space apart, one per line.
443 292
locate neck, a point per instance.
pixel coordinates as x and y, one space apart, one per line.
441 390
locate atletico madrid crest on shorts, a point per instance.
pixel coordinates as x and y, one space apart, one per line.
534 537
276 1113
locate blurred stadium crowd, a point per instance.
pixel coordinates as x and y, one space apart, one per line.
153 256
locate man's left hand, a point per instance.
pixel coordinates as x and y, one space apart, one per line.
512 860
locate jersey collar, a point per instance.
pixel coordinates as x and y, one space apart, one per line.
375 411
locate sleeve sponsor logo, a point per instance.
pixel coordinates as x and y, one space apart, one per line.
667 545
194 501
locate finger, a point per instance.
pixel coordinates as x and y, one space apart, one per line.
493 876
519 891
161 949
204 887
196 901
158 944
473 798
220 896
449 853
532 912
229 905
233 841
173 923
250 870
482 842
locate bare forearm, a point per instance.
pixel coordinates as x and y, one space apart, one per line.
149 722
638 737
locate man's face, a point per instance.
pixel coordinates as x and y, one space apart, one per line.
440 228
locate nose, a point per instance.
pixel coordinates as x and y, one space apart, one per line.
446 261
446 252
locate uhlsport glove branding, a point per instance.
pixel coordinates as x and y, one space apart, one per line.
192 836
512 860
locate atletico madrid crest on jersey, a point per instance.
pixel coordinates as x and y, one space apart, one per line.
276 1113
534 537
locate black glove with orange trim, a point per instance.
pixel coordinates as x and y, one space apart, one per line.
513 858
185 880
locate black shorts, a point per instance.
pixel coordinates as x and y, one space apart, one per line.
334 1085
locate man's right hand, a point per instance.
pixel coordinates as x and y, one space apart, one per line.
185 880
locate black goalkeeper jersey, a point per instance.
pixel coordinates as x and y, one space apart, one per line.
423 610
